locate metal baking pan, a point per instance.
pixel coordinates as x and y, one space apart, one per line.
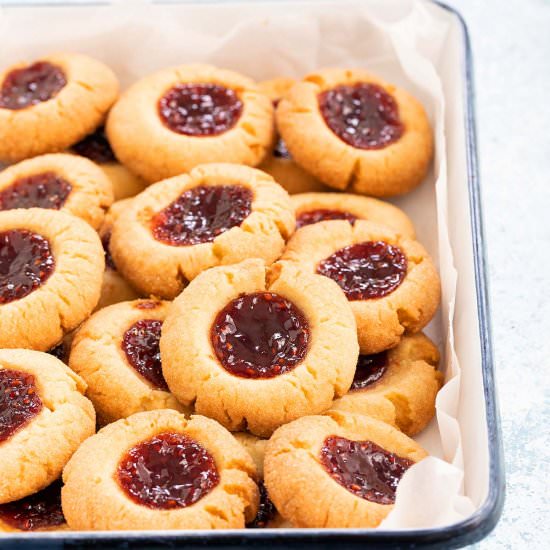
469 531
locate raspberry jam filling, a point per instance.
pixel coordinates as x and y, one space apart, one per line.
140 343
372 269
369 369
46 190
364 468
309 217
31 85
19 401
202 213
362 115
260 335
169 470
106 242
200 109
96 147
26 262
147 304
266 510
39 511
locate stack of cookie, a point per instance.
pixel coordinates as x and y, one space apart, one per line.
246 342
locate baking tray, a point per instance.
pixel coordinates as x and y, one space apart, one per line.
469 531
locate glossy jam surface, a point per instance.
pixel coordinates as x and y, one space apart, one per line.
31 85
364 468
96 147
202 213
19 401
372 269
39 511
266 510
26 262
106 242
369 369
169 470
362 115
200 109
260 335
309 217
140 343
47 190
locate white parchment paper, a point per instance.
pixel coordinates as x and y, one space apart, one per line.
405 42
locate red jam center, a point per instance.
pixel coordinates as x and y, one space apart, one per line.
31 85
39 511
46 190
364 468
260 335
369 369
309 217
96 147
200 109
26 262
168 471
366 270
202 213
266 510
19 401
140 343
106 242
363 115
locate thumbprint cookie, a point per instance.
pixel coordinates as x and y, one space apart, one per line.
51 265
181 117
255 349
340 471
217 214
57 182
160 470
44 417
116 352
389 280
356 132
50 104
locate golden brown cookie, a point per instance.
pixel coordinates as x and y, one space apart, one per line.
116 351
44 418
96 147
317 207
255 349
217 214
48 105
278 163
356 132
57 182
398 386
159 470
178 118
337 471
390 281
51 265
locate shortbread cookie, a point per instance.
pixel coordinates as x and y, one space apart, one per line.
390 281
51 265
398 386
278 162
156 470
255 350
57 182
339 471
317 207
178 118
48 105
354 131
38 512
44 417
217 214
116 351
96 147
